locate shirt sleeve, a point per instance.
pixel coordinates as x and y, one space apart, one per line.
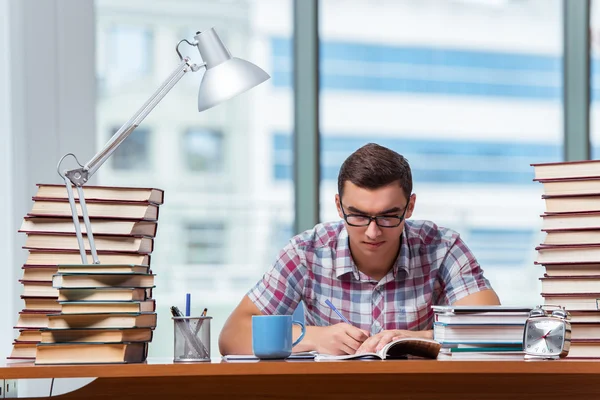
280 289
461 274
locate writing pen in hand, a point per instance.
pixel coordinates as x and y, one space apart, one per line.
335 310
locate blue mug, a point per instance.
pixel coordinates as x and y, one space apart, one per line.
272 336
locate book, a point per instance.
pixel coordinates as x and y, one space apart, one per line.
93 280
585 316
132 244
572 269
95 307
94 321
29 336
585 330
571 204
581 220
566 170
152 195
90 353
23 351
574 254
456 354
584 349
38 289
96 335
30 319
96 209
100 226
471 333
482 317
570 284
571 186
38 273
479 309
302 355
571 302
106 294
572 237
102 269
49 304
56 257
401 348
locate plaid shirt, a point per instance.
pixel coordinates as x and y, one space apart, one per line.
434 267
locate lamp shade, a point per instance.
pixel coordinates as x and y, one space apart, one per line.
225 76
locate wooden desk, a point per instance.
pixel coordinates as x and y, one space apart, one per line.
300 379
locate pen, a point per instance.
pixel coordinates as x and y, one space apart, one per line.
335 310
188 303
199 325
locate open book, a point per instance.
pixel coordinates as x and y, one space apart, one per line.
398 349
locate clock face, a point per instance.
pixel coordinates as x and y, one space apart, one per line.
544 337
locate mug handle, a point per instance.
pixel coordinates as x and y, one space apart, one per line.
301 334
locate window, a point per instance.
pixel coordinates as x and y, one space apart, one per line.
470 103
205 243
203 149
125 53
133 153
213 243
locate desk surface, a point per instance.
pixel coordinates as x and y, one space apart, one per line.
299 379
166 368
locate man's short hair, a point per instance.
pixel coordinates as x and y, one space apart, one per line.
374 166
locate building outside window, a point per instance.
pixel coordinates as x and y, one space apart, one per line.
203 150
205 243
134 153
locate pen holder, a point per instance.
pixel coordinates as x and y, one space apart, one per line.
192 339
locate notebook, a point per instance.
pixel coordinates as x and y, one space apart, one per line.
249 357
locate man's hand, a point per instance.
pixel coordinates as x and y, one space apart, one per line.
376 342
338 339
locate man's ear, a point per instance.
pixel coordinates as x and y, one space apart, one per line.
338 206
411 206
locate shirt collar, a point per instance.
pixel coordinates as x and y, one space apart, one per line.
344 264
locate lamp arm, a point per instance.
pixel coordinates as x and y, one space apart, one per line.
80 176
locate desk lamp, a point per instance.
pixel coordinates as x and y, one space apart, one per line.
224 78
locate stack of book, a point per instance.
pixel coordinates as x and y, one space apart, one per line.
480 332
570 252
88 313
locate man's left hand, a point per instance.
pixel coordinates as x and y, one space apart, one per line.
376 342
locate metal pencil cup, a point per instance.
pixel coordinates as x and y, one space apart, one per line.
192 339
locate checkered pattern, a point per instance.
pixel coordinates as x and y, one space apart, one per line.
434 267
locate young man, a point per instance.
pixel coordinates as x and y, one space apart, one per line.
381 271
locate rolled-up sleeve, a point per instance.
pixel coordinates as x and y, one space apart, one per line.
280 289
460 273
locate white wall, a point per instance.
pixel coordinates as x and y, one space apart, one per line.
47 109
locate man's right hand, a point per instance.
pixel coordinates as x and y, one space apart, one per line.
337 339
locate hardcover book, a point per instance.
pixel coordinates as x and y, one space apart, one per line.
90 353
114 193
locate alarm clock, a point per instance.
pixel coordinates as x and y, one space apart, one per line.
547 333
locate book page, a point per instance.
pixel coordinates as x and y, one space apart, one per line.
404 347
363 356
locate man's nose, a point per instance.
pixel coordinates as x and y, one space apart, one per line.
373 230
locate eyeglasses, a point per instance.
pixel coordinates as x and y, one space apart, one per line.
382 221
